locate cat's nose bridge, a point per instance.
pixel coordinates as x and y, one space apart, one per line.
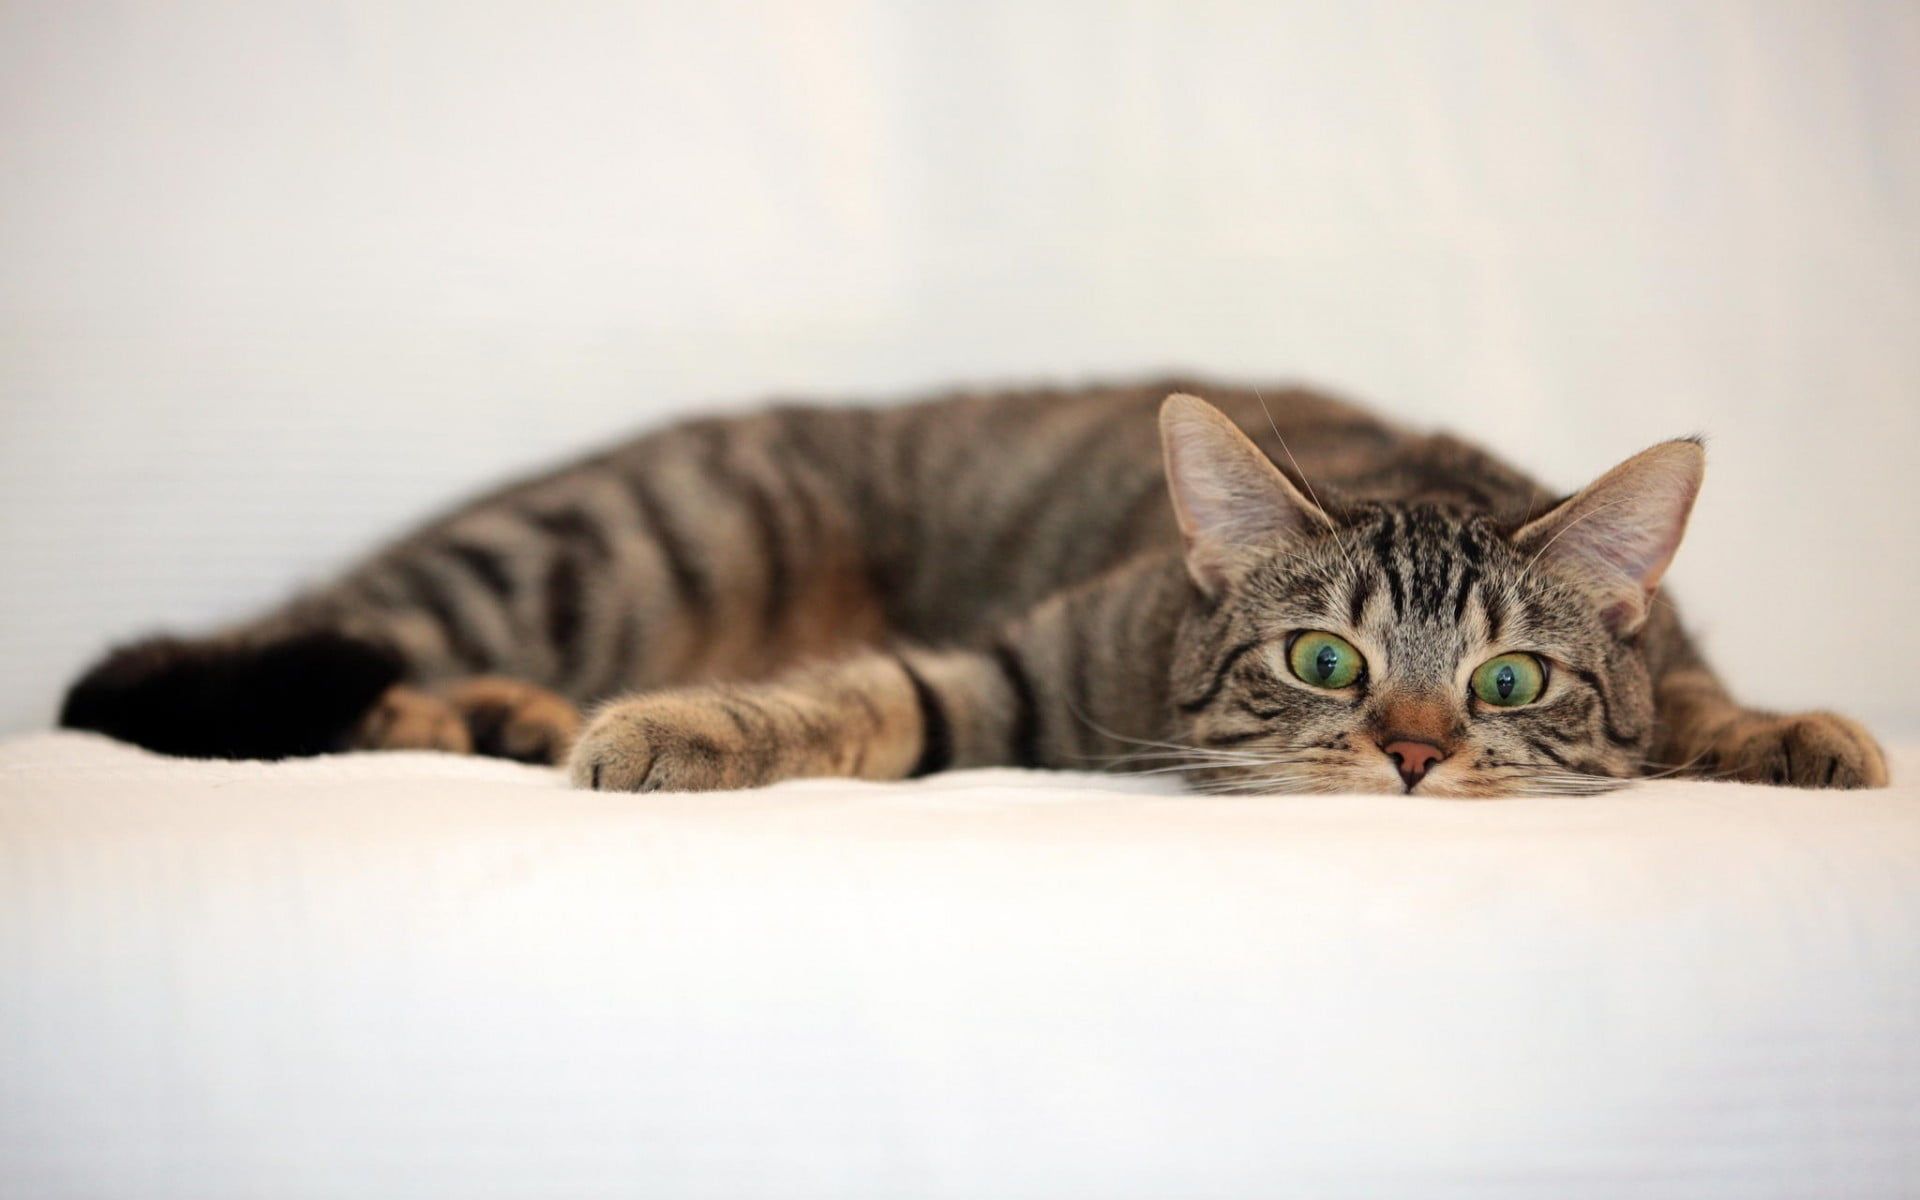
1417 731
1416 718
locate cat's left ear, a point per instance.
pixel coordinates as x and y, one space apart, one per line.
1617 536
1234 506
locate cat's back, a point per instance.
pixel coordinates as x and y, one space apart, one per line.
932 518
1089 445
1003 496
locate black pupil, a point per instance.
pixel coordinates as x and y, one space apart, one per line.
1503 682
1326 662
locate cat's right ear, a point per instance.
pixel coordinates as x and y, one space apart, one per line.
1234 506
1618 535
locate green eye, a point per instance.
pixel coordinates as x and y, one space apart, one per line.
1510 680
1324 660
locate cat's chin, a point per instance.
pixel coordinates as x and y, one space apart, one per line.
1464 788
1515 787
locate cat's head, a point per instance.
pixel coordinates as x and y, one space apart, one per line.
1410 647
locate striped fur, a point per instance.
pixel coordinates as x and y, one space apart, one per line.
976 580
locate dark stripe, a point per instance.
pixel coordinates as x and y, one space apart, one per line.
431 593
1468 577
1470 547
489 566
1219 677
564 589
1357 600
690 580
762 514
1606 708
1258 714
1383 549
1023 741
575 528
730 709
1235 739
1496 610
773 554
1314 592
1540 746
834 448
936 733
1427 587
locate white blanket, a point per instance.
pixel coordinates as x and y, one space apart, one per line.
411 975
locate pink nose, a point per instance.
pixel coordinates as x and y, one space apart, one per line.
1413 759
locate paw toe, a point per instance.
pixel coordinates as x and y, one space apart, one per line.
409 719
1811 750
510 719
646 746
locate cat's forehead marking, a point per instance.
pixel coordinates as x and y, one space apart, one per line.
1423 573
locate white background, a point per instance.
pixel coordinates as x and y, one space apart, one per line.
276 278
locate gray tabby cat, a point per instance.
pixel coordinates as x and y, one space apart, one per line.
1328 603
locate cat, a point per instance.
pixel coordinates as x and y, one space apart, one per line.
1257 592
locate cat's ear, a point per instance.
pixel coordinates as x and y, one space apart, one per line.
1232 503
1617 536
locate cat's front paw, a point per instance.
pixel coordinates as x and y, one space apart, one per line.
671 743
1815 750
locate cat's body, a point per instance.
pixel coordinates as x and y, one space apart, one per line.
1001 579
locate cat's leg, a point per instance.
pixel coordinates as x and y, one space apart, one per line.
874 715
1704 731
855 717
1701 730
1051 689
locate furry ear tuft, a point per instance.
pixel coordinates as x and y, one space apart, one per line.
1232 503
1617 536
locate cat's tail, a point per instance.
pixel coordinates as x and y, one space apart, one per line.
283 695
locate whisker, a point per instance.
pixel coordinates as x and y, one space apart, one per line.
1151 748
1317 506
1562 532
1530 779
1669 770
1171 763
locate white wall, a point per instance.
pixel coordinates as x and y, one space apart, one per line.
277 277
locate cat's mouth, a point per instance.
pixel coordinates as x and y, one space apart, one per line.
1444 782
1378 765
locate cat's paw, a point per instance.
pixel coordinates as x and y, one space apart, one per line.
406 718
671 743
509 718
1814 750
